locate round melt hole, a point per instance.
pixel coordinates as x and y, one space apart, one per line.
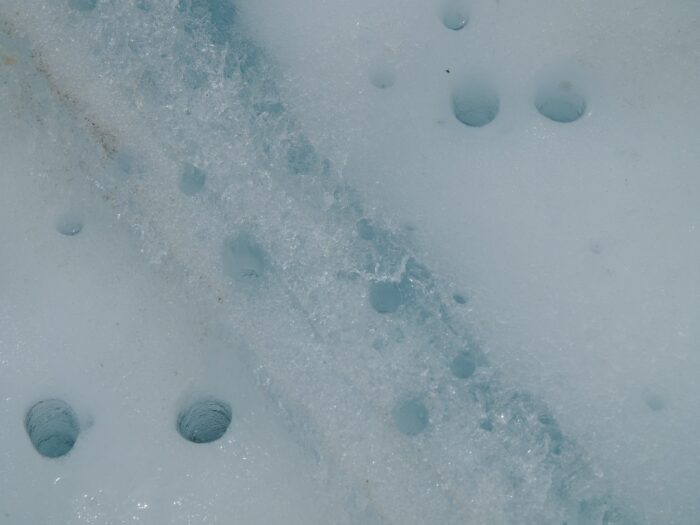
385 297
69 225
53 427
82 5
411 417
463 366
475 104
560 103
192 179
204 421
382 75
365 229
244 258
454 19
655 398
459 298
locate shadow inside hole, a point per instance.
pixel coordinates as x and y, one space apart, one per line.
53 427
411 417
69 225
475 104
560 103
204 421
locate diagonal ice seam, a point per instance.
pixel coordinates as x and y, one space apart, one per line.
374 362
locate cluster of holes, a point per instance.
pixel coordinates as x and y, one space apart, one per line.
52 424
476 104
53 427
411 416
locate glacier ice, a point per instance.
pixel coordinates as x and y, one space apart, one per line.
195 89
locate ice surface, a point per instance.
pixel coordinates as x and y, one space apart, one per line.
289 270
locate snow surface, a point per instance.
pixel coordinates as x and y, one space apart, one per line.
423 300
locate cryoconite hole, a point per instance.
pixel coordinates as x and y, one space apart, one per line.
454 19
382 75
301 156
475 104
463 366
192 179
385 296
365 229
655 398
82 5
53 427
69 225
244 259
459 298
411 417
560 103
204 421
